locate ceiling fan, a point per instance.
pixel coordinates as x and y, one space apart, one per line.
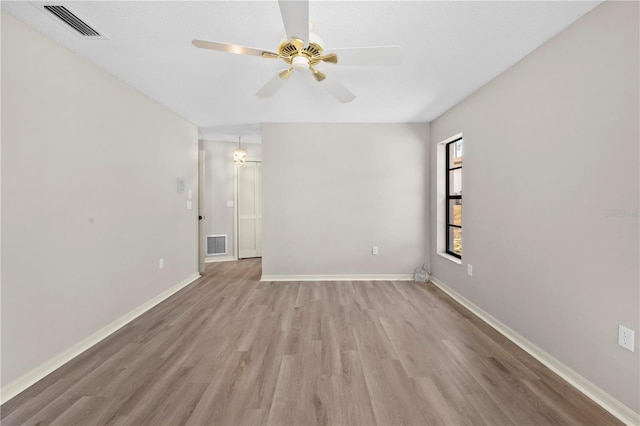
303 51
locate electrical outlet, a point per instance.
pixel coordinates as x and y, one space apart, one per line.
469 270
625 337
161 263
374 250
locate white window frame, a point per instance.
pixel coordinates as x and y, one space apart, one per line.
441 191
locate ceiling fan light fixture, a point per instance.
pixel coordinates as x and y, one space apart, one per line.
300 63
239 155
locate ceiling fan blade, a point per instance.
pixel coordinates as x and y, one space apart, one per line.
274 84
233 48
336 88
295 16
379 55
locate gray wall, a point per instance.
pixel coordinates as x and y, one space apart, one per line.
332 191
219 181
551 146
89 202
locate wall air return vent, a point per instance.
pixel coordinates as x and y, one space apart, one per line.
69 18
216 245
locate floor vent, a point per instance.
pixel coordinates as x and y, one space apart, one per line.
72 20
216 245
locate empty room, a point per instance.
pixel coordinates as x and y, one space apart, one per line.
303 212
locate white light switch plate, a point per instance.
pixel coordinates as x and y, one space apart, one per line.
229 203
470 270
189 205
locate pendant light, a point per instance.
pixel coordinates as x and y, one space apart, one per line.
239 154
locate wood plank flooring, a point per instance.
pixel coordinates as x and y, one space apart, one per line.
230 350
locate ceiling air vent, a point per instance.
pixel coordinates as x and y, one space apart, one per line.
72 20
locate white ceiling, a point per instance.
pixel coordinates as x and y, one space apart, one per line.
450 50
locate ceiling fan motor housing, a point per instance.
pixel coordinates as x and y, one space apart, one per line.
313 51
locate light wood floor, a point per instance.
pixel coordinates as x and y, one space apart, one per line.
229 350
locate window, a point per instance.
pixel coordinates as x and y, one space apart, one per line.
453 198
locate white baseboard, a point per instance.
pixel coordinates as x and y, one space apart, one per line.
356 277
212 259
599 396
14 388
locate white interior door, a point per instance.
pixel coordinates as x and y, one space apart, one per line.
250 210
201 189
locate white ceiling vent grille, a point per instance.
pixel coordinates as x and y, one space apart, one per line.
66 16
216 245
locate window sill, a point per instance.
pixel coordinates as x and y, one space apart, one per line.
451 258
